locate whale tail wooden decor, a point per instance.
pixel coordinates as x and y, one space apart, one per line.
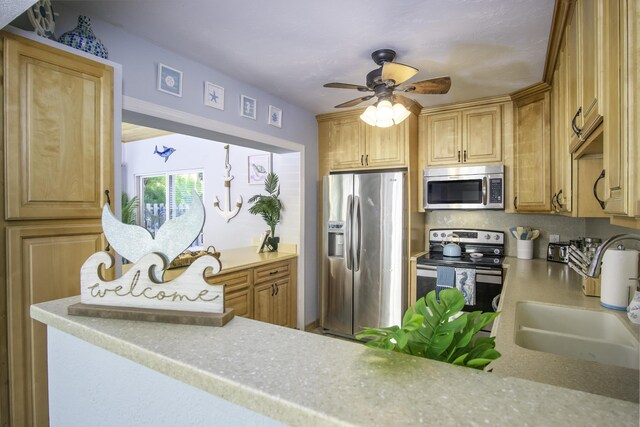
139 295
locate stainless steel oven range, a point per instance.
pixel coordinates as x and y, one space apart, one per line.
482 250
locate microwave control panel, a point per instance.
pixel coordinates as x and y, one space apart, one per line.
495 190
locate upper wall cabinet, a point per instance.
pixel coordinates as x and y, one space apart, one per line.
355 145
461 136
532 154
59 132
584 45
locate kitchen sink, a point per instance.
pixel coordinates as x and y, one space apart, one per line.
584 334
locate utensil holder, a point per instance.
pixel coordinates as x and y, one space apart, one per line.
525 249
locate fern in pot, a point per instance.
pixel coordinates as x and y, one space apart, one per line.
269 207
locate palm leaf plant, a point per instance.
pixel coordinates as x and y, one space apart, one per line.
268 206
129 208
431 329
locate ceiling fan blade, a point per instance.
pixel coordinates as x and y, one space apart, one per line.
407 102
347 86
399 73
354 102
438 85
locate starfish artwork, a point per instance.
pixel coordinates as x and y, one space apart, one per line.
214 97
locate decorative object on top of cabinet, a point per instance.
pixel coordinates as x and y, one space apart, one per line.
227 213
42 18
391 109
462 136
82 38
213 95
532 160
169 80
269 207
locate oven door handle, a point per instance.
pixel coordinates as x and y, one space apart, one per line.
484 190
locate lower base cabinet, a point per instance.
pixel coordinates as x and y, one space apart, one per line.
266 293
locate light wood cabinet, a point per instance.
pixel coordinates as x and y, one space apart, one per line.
43 264
467 136
532 154
584 49
355 145
59 128
266 293
347 143
57 136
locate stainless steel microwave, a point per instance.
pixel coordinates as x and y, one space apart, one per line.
468 187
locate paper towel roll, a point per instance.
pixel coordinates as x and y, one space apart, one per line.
618 266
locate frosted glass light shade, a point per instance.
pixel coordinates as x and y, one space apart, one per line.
384 115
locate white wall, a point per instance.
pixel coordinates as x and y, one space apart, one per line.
196 153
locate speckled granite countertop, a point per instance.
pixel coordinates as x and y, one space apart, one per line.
541 281
307 379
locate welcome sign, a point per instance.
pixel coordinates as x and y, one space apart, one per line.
137 288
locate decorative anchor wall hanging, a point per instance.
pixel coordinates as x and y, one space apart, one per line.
226 213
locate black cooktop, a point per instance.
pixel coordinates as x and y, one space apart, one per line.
464 261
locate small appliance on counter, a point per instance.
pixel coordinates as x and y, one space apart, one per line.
558 252
619 273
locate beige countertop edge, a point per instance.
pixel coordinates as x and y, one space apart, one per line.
222 387
552 283
309 379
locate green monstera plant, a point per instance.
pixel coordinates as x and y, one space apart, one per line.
431 330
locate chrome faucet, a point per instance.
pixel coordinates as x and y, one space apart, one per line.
594 267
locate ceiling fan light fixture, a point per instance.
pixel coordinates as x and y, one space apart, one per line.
400 113
369 115
385 111
384 123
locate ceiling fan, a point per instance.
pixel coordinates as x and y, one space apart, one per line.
386 80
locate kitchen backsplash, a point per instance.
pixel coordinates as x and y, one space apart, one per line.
567 228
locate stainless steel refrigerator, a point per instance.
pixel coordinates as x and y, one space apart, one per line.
364 251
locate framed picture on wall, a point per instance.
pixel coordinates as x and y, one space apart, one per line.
248 107
213 95
169 80
275 116
259 168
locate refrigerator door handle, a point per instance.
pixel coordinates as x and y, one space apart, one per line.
349 233
357 229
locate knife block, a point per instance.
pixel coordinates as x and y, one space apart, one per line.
591 286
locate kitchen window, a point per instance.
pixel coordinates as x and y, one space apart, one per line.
167 196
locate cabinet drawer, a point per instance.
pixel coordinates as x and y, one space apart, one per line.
233 281
271 271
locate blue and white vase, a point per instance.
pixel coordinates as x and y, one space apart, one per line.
82 38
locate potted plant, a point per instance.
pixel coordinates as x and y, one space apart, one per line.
435 330
269 207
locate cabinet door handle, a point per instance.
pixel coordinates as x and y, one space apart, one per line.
464 156
553 203
558 199
366 160
458 156
272 291
277 289
595 189
273 272
574 126
515 202
362 160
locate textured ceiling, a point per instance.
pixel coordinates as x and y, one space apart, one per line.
290 48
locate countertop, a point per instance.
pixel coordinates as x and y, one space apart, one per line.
548 282
241 258
303 378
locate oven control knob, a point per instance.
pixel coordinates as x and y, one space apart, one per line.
496 261
435 234
496 251
497 237
488 236
443 235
